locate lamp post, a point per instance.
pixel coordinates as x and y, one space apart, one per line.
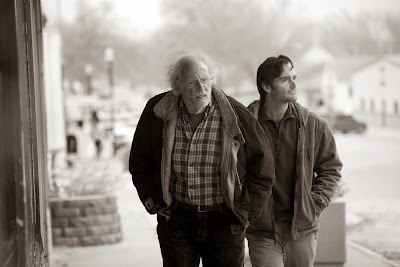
109 59
383 84
88 73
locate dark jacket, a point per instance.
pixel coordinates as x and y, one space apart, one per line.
317 175
247 168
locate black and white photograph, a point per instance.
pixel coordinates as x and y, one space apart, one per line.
224 133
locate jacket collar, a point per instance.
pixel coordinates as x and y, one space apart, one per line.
169 104
301 112
163 109
228 114
289 114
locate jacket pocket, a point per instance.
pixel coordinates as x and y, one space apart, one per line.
310 213
265 223
239 174
308 152
317 206
241 195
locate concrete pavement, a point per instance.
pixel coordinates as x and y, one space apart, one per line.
140 244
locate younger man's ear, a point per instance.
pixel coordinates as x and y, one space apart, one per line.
266 88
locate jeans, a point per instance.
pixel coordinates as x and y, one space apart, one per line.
217 237
285 251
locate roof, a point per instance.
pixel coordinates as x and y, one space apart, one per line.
395 59
316 54
344 67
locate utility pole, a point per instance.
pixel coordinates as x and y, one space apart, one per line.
383 85
88 74
109 59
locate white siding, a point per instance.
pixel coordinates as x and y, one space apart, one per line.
368 87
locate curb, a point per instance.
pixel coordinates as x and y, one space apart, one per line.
372 253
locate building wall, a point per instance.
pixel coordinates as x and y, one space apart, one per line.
23 145
53 85
318 92
335 93
343 100
376 83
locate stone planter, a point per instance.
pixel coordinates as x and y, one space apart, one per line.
85 221
331 249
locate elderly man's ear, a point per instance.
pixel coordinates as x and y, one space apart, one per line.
176 89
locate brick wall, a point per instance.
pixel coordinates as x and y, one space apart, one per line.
85 221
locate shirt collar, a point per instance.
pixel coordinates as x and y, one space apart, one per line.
288 115
183 111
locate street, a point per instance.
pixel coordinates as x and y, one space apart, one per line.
372 203
370 162
371 175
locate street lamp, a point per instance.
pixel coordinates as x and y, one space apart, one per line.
383 84
88 73
109 59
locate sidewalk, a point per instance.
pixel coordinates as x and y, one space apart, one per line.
140 244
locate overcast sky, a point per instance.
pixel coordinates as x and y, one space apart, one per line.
144 15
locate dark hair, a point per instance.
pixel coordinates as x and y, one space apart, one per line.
270 69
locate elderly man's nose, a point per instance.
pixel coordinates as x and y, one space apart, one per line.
201 85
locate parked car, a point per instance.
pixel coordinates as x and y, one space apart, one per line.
346 124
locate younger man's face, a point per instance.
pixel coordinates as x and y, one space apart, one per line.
283 88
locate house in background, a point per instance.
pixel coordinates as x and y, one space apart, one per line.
375 87
87 134
341 95
351 84
314 85
324 83
314 81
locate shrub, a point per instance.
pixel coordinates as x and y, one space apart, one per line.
88 177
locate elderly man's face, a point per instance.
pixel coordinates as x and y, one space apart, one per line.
196 87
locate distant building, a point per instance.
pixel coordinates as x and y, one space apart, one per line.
315 55
87 135
368 83
315 79
376 86
315 87
342 91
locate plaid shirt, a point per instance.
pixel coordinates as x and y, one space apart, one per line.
196 159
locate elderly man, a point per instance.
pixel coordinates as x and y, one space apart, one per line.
201 162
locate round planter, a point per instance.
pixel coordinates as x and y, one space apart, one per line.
85 221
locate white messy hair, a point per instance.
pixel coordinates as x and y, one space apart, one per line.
177 62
